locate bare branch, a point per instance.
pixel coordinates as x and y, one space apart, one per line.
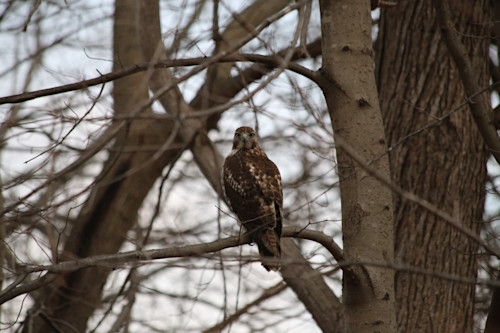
268 293
478 106
268 60
119 259
11 293
319 237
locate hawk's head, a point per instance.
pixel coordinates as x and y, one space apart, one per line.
245 138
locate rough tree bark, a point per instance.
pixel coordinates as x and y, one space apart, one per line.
435 153
367 222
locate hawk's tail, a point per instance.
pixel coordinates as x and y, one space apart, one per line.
268 242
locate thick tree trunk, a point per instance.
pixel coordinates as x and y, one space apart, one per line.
441 159
367 225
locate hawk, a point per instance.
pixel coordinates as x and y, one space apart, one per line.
252 186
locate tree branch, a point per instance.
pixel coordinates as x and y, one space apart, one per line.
478 106
268 293
113 261
119 259
270 60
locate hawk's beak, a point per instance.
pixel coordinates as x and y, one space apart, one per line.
244 137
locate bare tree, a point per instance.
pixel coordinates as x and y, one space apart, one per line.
117 223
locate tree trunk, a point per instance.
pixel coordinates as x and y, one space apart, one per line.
440 158
351 95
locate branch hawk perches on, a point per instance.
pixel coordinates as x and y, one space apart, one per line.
252 186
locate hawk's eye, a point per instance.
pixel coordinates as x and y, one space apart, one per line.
237 134
251 135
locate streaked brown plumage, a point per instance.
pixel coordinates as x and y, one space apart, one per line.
252 186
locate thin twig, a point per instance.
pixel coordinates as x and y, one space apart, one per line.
267 293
